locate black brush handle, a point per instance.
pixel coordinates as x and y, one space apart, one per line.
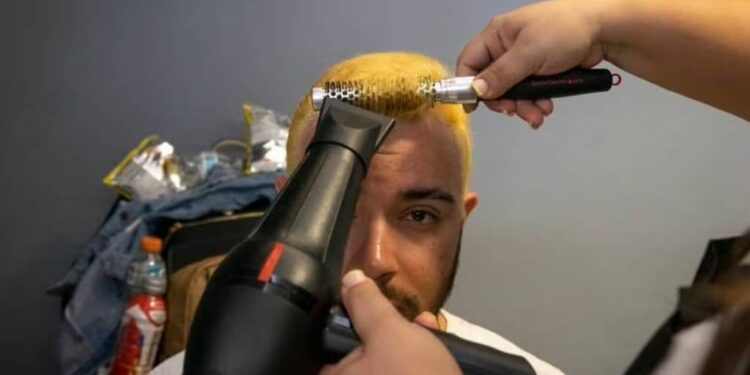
572 82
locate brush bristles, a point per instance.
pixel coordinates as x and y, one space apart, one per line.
392 97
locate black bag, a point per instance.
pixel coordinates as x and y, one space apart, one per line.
191 242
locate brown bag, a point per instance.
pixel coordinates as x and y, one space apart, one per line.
186 287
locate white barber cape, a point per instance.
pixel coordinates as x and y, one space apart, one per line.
455 325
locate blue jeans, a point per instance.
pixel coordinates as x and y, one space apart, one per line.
96 279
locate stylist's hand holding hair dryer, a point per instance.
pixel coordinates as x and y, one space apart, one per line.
697 48
390 344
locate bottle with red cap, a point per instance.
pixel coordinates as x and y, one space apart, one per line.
145 315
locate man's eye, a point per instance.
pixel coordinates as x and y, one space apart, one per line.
421 217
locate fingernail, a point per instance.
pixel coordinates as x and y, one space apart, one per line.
352 278
480 86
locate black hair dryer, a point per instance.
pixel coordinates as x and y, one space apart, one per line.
269 307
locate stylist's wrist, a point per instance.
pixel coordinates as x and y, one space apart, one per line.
611 22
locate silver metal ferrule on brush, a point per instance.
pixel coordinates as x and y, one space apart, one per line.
456 90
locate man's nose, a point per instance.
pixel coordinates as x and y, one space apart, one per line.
372 251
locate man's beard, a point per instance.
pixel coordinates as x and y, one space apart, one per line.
409 304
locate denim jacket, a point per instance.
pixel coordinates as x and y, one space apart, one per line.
96 279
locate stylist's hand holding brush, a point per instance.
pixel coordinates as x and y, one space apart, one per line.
697 48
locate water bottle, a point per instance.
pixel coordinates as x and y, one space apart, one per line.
145 315
147 263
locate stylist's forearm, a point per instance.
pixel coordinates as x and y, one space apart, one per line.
698 48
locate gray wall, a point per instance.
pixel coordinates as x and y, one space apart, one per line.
584 230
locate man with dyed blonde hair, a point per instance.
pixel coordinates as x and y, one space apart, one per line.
406 233
409 217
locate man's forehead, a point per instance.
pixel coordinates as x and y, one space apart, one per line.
418 153
418 157
428 129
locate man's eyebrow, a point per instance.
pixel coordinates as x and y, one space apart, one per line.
427 193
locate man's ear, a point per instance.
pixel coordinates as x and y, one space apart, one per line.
471 200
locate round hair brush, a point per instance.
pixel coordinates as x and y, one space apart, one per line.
413 93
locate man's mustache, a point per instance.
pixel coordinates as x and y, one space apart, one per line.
408 304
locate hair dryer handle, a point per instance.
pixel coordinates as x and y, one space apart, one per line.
474 359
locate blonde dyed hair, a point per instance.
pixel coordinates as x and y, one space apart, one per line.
381 70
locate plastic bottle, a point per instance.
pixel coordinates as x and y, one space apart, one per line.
146 314
147 263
